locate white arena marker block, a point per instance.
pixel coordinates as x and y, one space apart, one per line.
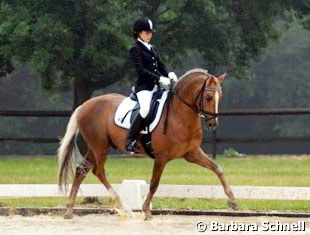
131 193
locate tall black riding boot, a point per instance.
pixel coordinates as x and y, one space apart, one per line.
133 134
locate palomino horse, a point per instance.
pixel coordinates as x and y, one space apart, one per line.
196 94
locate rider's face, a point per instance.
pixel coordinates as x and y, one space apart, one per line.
146 36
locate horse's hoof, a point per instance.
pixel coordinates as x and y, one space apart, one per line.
233 205
68 216
125 212
130 214
147 215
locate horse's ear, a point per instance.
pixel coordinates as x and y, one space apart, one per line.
222 77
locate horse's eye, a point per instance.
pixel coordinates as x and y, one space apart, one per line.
209 98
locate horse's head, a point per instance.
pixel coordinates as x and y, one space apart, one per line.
210 100
205 96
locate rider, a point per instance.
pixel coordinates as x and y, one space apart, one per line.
151 71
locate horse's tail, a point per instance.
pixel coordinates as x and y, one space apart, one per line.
67 157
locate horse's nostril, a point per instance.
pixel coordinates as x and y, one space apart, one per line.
211 124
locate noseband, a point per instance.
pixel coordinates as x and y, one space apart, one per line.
199 101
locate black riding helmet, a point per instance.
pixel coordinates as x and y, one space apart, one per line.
143 24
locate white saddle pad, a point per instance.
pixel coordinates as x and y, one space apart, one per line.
125 109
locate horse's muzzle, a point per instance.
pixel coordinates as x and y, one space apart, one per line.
212 124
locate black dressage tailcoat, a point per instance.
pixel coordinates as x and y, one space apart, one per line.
148 66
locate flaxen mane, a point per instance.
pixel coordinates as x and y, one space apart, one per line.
197 70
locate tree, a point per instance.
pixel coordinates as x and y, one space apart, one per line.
87 41
281 81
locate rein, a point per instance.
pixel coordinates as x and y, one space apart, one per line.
199 98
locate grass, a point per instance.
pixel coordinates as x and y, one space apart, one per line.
169 203
258 170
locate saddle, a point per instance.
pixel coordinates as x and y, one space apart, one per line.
129 108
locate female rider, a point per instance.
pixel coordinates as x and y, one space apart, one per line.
151 71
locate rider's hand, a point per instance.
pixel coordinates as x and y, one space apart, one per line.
173 76
164 80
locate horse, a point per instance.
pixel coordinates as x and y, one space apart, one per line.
196 94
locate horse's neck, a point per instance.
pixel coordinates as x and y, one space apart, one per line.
182 113
182 102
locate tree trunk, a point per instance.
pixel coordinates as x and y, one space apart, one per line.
82 92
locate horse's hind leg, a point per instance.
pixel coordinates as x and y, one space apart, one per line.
80 174
99 171
199 157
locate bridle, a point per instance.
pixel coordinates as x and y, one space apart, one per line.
199 101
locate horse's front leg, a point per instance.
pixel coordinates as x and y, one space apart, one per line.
199 157
158 168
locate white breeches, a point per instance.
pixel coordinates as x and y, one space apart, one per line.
144 99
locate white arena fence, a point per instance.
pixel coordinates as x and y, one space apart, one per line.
133 192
